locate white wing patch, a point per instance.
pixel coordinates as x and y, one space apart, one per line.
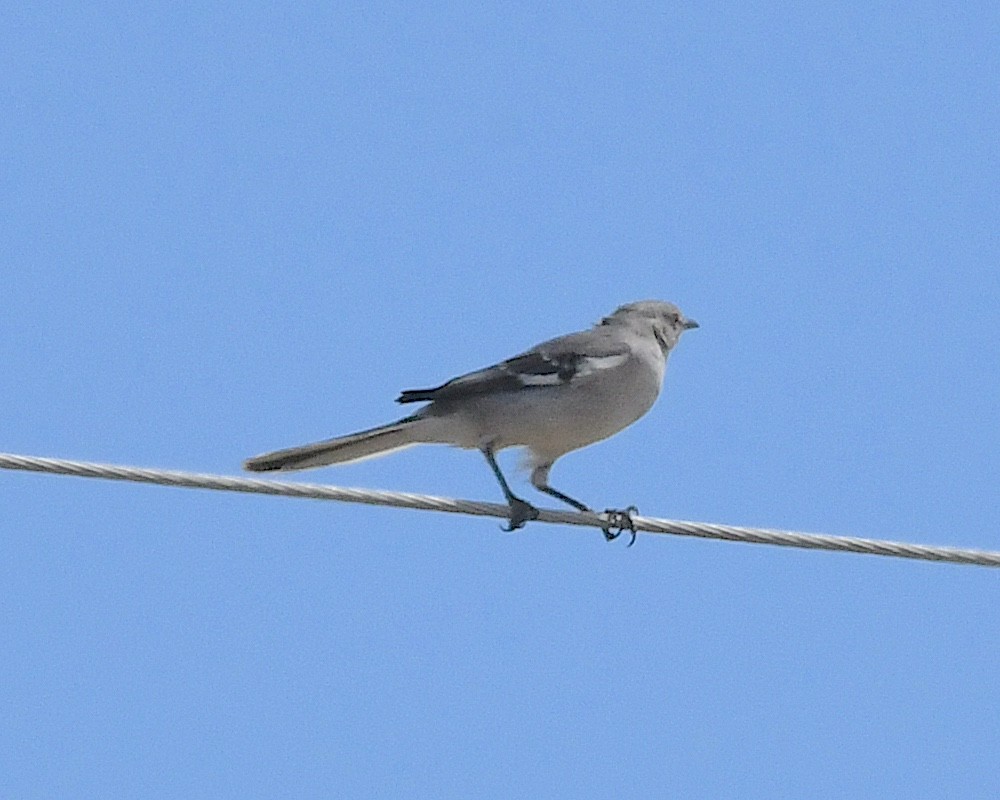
583 368
548 379
588 366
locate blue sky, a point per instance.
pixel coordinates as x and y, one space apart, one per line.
235 228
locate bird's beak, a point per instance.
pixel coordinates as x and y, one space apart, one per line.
689 324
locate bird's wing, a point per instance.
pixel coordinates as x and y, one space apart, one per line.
559 361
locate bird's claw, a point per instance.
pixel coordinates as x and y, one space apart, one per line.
619 521
521 513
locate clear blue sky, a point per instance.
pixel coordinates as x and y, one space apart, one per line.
234 228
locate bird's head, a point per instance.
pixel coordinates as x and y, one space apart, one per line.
664 320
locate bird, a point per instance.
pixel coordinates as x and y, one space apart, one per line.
561 395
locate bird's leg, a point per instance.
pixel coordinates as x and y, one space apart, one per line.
620 520
521 511
540 480
565 498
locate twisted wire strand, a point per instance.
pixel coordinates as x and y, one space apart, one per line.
225 483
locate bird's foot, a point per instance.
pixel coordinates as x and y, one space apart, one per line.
521 513
619 521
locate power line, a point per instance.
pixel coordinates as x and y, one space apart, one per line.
224 483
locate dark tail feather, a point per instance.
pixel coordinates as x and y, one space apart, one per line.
354 447
417 395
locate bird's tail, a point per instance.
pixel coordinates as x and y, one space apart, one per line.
353 447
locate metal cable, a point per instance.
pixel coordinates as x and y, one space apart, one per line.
193 480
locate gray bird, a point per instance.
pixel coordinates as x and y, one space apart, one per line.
559 396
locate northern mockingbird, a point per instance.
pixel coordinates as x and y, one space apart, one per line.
559 396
